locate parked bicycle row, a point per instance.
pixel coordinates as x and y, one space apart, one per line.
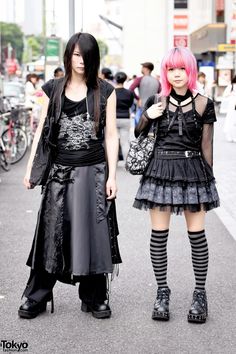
17 128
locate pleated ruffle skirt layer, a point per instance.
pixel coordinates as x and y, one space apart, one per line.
178 185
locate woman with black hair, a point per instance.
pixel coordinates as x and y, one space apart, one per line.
76 233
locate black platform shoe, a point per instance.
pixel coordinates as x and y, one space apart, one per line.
198 311
161 305
101 310
31 309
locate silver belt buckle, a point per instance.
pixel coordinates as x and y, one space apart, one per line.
187 153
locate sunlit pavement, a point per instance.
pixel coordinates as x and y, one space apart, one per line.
130 329
225 173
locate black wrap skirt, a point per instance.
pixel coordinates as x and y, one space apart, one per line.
73 235
177 184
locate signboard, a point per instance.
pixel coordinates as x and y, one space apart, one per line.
180 4
233 23
180 41
226 47
52 50
52 56
180 22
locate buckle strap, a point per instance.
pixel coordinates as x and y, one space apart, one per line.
176 154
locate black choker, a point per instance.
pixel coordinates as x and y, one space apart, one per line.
180 98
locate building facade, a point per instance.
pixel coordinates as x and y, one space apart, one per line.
151 27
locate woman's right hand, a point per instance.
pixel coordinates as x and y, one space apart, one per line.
155 111
26 181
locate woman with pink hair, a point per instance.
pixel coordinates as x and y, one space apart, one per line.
179 178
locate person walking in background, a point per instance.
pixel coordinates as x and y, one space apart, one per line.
147 86
202 85
179 178
33 99
58 73
76 234
230 119
201 82
124 101
31 90
106 74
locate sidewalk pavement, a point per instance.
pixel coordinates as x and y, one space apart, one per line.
225 173
130 329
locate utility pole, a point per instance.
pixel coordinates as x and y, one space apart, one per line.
44 25
82 15
71 17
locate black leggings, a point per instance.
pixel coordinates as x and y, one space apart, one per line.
92 288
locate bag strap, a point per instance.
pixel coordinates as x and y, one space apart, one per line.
157 99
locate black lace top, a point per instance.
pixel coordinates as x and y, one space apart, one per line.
78 143
186 124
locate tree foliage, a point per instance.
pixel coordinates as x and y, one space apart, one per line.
103 48
11 33
34 48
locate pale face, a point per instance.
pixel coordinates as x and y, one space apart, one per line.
77 62
178 78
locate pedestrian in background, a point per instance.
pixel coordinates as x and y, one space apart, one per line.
147 86
75 237
106 74
124 101
202 85
179 178
31 90
58 73
229 96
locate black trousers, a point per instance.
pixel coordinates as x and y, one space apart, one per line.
92 288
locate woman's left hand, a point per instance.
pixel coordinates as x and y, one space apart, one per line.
111 188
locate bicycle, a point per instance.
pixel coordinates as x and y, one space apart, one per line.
14 137
4 156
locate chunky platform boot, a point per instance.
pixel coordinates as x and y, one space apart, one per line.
31 309
161 305
198 311
100 311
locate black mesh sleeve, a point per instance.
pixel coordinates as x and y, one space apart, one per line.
144 123
209 115
207 143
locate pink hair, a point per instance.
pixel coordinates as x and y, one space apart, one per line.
178 57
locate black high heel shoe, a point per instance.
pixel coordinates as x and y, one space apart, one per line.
100 311
199 309
31 309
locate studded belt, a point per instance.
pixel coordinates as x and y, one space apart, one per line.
167 154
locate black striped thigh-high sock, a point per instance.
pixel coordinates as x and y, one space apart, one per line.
158 252
199 248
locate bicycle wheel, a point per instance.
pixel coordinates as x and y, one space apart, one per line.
4 160
16 142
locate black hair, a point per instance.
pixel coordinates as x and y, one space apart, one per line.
57 70
233 80
32 76
107 73
89 50
120 77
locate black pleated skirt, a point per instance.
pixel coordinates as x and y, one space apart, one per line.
177 184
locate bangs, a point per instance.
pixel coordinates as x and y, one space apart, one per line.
175 60
178 57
